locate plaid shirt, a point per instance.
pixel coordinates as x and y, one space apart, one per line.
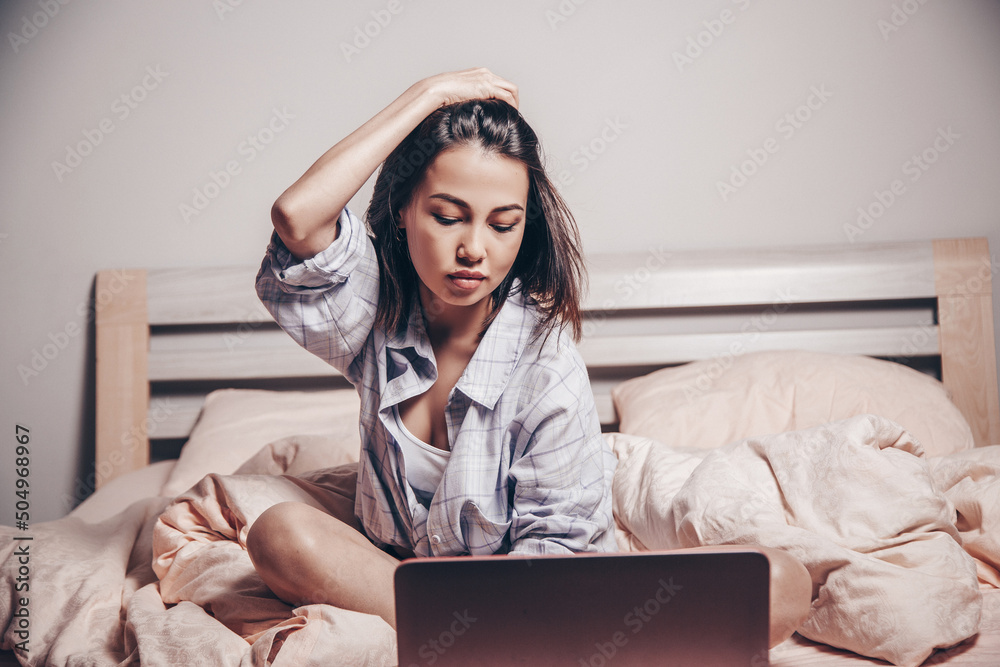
529 470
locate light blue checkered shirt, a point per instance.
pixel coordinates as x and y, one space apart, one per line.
529 470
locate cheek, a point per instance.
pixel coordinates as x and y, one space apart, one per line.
427 251
511 248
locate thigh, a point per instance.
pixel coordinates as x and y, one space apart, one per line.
304 529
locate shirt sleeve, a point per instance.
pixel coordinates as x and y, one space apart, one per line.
562 481
326 303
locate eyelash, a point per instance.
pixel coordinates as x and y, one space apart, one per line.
501 229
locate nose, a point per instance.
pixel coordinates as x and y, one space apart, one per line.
472 247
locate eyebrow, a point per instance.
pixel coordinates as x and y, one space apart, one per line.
459 202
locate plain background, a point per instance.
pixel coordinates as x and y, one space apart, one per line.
643 109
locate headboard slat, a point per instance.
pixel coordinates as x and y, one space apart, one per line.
680 348
734 276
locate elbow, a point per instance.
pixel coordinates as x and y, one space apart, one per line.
283 217
302 240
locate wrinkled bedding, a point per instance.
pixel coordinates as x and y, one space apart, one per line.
901 549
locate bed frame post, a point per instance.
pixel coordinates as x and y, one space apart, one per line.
963 274
122 439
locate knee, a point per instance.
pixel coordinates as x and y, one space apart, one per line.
280 529
791 594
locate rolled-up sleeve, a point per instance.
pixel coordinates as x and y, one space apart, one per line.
326 303
562 483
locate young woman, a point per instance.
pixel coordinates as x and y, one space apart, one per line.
455 321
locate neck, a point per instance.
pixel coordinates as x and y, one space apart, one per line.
449 324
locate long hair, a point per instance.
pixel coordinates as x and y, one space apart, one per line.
549 264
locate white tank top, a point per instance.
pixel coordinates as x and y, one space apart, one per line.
425 463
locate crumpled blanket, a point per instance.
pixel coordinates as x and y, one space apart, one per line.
880 528
873 521
200 557
96 600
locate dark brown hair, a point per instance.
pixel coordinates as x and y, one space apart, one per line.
549 264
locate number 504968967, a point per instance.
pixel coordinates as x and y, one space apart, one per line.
21 468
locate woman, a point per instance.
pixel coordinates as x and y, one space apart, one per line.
479 430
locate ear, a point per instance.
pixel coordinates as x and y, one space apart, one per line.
401 216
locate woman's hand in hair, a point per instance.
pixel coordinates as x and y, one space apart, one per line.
477 83
305 215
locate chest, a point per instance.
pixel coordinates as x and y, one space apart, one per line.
424 414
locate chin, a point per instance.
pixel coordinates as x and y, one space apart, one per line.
449 297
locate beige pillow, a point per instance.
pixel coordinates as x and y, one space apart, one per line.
712 402
235 424
298 454
122 491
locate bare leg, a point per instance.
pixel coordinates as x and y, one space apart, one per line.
306 556
790 590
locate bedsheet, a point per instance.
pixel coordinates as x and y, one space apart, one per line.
880 528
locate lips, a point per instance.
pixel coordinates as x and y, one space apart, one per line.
466 280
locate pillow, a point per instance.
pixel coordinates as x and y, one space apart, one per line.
122 491
235 424
298 454
712 402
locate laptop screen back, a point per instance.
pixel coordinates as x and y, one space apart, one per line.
584 610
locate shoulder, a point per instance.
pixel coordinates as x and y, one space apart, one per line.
552 369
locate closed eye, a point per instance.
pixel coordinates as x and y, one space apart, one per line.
445 220
503 229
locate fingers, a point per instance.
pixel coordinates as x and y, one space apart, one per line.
475 83
499 88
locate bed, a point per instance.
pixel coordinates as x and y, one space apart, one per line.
852 400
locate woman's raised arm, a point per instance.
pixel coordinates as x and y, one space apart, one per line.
305 215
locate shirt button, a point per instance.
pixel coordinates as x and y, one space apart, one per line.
435 539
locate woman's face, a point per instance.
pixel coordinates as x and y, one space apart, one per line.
464 224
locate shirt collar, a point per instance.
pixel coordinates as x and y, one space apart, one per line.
490 368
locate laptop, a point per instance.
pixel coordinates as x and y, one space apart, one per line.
586 610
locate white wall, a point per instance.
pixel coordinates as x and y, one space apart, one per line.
609 68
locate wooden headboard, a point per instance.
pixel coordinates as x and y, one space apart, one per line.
167 337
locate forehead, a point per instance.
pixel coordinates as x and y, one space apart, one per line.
482 179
